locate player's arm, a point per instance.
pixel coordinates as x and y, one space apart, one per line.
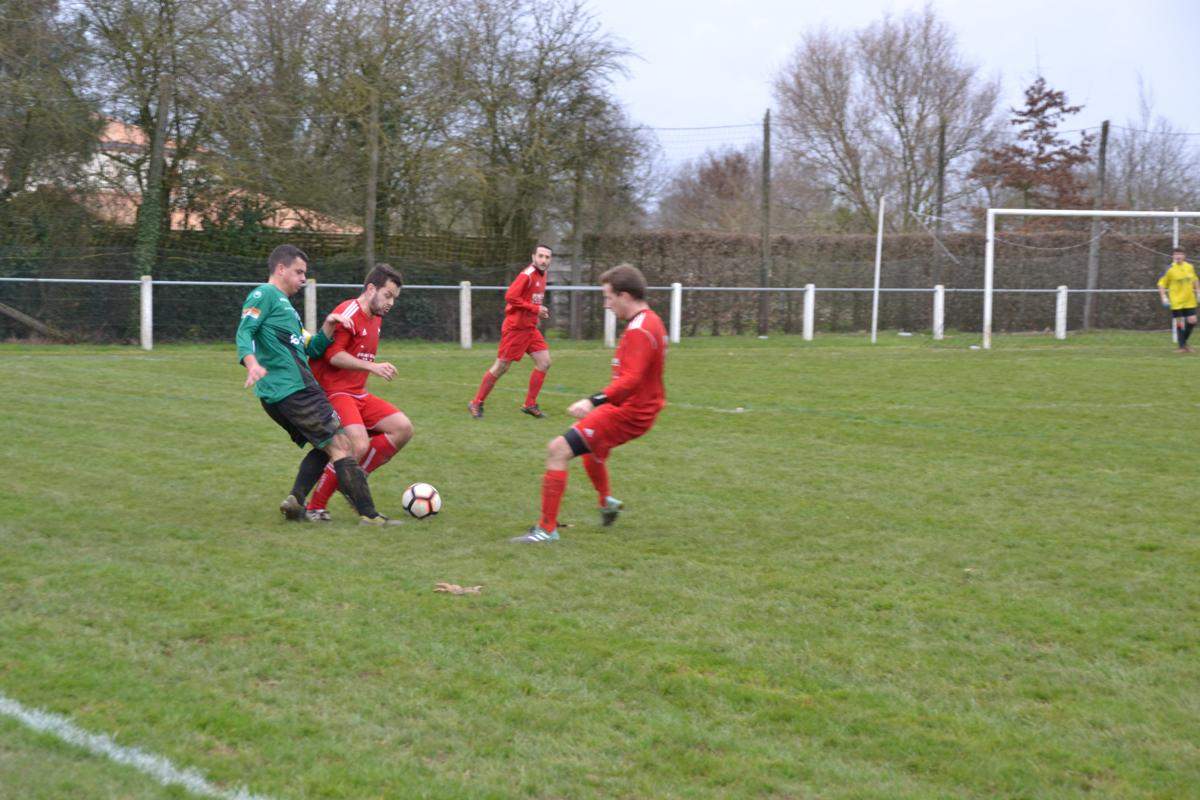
1162 291
635 362
334 324
247 327
515 296
343 360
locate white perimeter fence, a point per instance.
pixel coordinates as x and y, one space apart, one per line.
465 290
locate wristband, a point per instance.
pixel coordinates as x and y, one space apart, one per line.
599 399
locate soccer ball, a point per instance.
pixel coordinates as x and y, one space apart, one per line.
421 500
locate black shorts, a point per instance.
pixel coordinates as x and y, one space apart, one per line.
1183 312
306 415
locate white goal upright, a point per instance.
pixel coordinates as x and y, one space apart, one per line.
990 252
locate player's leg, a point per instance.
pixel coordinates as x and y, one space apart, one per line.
302 432
539 351
609 428
311 412
490 376
559 453
390 429
1186 332
1177 323
348 411
352 481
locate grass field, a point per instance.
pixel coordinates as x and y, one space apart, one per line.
912 570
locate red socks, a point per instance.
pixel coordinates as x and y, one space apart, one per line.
554 483
536 379
485 386
599 475
379 452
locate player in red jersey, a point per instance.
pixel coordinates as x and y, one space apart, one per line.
377 429
623 411
524 308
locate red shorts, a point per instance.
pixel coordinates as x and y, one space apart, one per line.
514 344
364 409
609 426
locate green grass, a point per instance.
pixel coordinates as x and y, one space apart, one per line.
912 570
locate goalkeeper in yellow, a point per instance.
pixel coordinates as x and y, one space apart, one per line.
1179 290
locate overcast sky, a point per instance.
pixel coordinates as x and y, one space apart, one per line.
710 62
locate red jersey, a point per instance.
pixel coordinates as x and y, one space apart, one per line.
637 382
362 344
524 296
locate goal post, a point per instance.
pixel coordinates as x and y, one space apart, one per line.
990 249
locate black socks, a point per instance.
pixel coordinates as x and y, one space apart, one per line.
352 482
311 467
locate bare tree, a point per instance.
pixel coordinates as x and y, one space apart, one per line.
864 110
722 191
529 73
1151 164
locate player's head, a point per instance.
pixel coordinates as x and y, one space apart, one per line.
624 290
1177 255
541 257
287 268
381 289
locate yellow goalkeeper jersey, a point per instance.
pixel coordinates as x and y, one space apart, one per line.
1179 281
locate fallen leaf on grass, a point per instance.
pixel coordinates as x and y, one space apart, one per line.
454 588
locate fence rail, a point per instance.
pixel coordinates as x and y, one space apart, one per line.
467 310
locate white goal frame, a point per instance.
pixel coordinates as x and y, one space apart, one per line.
990 253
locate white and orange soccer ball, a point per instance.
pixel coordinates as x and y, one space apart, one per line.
421 500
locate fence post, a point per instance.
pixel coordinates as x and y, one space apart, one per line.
464 314
147 313
1060 313
939 312
810 302
310 306
610 328
676 311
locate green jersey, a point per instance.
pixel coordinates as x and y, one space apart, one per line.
270 330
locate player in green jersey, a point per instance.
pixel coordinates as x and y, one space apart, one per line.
274 348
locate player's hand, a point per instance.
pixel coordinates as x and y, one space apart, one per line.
543 312
333 321
254 374
1166 303
581 408
384 370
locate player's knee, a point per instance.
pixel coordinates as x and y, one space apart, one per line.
338 447
402 433
499 368
558 449
544 365
359 444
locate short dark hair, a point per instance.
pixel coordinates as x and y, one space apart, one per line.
537 247
381 274
284 254
626 278
1178 250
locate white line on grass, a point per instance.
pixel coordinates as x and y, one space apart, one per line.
156 767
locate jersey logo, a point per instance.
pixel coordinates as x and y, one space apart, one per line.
254 313
589 432
538 297
257 293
